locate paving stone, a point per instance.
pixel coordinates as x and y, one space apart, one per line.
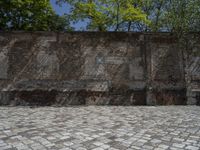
98 148
163 146
100 128
192 148
147 147
178 145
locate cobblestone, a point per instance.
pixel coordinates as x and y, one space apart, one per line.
100 128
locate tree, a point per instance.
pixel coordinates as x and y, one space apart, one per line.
172 15
104 15
183 16
155 10
29 15
60 23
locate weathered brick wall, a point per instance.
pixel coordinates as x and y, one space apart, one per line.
95 68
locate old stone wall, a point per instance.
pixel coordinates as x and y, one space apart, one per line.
78 68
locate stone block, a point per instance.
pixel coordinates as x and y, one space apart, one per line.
129 97
4 58
47 65
191 100
150 99
126 98
118 48
97 98
118 74
5 98
136 70
97 86
166 63
34 98
170 97
3 66
70 98
116 60
137 85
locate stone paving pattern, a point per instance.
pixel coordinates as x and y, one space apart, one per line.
100 128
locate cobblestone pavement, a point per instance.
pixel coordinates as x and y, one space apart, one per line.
100 128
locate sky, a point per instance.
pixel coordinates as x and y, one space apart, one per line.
60 10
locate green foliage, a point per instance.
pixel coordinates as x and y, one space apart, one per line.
60 23
173 15
104 15
29 15
179 16
155 10
183 15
